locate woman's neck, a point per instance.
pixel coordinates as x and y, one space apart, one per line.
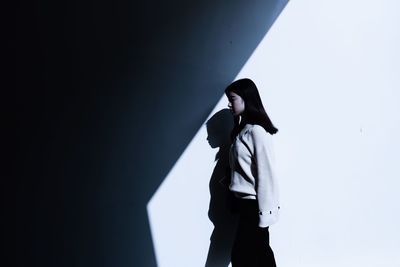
242 120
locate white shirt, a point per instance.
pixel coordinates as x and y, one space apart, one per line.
251 159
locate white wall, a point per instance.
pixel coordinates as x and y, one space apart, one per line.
328 73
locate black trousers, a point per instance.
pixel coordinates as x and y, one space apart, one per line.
251 246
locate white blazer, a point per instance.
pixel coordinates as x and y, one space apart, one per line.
253 174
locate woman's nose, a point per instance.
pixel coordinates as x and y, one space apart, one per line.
229 105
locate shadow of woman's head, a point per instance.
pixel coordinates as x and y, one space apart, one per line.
219 128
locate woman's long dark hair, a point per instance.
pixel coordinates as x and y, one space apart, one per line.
254 111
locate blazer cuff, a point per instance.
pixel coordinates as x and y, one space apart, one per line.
267 218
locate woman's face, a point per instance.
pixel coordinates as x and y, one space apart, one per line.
236 104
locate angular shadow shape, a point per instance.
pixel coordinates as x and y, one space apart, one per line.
109 95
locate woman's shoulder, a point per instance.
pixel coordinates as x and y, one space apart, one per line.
255 132
258 130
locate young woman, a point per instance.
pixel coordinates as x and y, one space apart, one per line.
253 179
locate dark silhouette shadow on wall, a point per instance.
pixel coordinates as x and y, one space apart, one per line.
221 206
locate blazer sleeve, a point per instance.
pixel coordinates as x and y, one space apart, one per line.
266 184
